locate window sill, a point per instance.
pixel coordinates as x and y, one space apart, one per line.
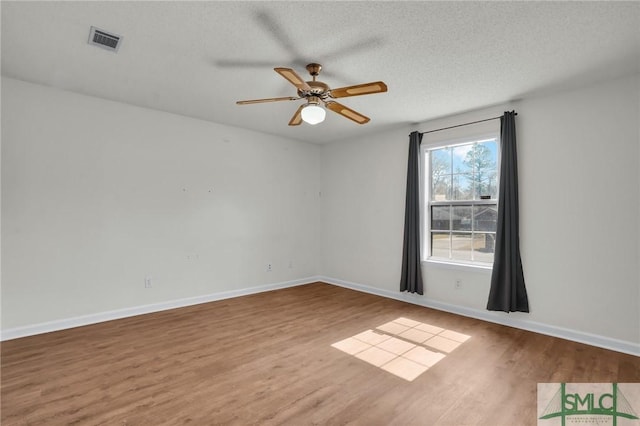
457 265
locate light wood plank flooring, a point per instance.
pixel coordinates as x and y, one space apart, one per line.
267 359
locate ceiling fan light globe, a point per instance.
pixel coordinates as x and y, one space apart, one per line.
313 114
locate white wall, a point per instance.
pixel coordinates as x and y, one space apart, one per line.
579 164
96 195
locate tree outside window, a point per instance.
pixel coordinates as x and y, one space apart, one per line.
462 201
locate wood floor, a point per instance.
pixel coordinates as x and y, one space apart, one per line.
267 359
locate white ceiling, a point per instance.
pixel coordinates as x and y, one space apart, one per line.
437 58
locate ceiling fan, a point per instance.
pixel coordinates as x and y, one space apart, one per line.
316 94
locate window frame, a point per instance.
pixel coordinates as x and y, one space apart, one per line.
426 203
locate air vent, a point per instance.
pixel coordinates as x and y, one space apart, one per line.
103 39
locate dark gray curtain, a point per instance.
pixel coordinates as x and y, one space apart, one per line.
508 292
411 279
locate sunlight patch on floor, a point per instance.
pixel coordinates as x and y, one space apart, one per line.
403 347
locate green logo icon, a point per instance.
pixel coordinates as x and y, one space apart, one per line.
564 404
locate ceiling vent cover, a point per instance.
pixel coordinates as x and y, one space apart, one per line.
103 39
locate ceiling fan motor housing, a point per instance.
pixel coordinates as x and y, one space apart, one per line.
318 89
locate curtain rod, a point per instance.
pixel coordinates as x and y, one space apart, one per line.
465 124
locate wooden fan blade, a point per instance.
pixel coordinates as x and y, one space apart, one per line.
359 89
259 101
296 120
293 78
347 112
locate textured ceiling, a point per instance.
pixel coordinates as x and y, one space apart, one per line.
437 58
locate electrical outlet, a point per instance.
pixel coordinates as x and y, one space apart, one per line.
147 282
458 284
291 264
269 269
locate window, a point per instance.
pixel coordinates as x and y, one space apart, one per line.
461 200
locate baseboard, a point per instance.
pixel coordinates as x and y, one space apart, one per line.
495 317
62 324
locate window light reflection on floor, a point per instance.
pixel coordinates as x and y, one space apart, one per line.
403 347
